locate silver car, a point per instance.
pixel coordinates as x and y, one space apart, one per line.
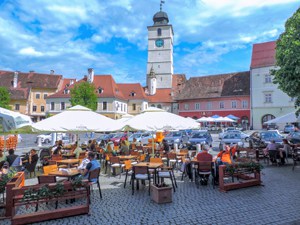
231 138
177 137
198 137
243 135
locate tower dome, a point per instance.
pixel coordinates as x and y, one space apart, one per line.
160 18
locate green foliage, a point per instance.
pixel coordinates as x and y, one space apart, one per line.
243 166
5 178
288 59
4 98
84 94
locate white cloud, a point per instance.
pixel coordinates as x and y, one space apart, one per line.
30 51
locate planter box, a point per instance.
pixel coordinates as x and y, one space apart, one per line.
161 195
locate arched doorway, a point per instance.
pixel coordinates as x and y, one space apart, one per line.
266 118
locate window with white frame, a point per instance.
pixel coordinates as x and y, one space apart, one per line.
37 95
104 106
268 98
133 107
45 96
222 105
17 107
233 104
186 106
209 105
34 108
52 106
197 106
245 104
42 108
268 78
62 106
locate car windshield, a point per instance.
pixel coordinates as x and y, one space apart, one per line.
232 136
270 135
199 135
174 134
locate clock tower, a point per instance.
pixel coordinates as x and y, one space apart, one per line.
160 50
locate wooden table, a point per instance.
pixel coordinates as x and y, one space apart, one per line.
154 166
70 173
68 156
69 162
127 157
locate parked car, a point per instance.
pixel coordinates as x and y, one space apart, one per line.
289 128
45 138
243 135
141 137
199 137
231 138
271 126
263 138
105 137
294 137
117 138
179 137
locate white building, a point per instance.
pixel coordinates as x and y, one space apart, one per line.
267 101
160 50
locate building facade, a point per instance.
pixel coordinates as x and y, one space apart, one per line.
267 101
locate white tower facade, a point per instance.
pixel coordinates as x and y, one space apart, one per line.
160 50
151 82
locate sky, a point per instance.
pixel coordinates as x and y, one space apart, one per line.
70 36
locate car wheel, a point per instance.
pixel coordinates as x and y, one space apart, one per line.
247 139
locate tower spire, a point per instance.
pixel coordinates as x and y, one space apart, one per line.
161 3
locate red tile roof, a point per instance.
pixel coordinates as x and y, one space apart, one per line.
263 54
130 88
27 80
161 96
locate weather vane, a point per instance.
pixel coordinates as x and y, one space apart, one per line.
161 3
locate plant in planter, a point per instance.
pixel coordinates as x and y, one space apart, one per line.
161 193
5 178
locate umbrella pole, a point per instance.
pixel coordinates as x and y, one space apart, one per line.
153 145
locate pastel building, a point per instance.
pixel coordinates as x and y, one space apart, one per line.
221 95
267 101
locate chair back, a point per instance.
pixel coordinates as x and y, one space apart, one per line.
94 174
49 169
46 152
128 165
56 157
46 179
81 155
156 160
114 159
142 158
171 155
204 166
51 162
140 170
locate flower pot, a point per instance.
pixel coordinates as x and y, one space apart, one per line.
161 194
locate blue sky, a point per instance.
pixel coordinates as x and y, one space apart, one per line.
211 36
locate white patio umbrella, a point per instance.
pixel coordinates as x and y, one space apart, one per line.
13 120
223 119
205 119
288 118
77 119
154 119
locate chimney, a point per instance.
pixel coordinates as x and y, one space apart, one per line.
90 75
51 72
15 82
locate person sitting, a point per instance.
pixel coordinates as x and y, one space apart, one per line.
31 160
92 165
14 160
57 151
133 144
165 146
127 142
84 162
272 150
284 152
124 150
204 156
224 156
77 151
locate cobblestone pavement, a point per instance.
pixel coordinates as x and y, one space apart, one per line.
277 202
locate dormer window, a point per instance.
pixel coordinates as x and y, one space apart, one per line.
100 90
66 91
132 94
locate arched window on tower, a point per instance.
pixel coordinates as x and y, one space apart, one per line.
159 32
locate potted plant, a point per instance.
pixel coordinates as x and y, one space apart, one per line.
161 193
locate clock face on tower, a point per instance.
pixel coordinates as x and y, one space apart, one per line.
159 42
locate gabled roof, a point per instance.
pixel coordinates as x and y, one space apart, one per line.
161 96
27 81
132 91
263 54
214 86
105 82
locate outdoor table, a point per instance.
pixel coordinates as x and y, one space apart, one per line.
127 157
69 162
69 173
150 165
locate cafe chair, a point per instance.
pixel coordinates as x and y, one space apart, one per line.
116 163
49 169
203 172
31 168
140 173
128 170
94 179
46 179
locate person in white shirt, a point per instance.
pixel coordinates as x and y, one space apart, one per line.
84 162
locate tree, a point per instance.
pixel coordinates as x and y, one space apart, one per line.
4 98
288 59
84 94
